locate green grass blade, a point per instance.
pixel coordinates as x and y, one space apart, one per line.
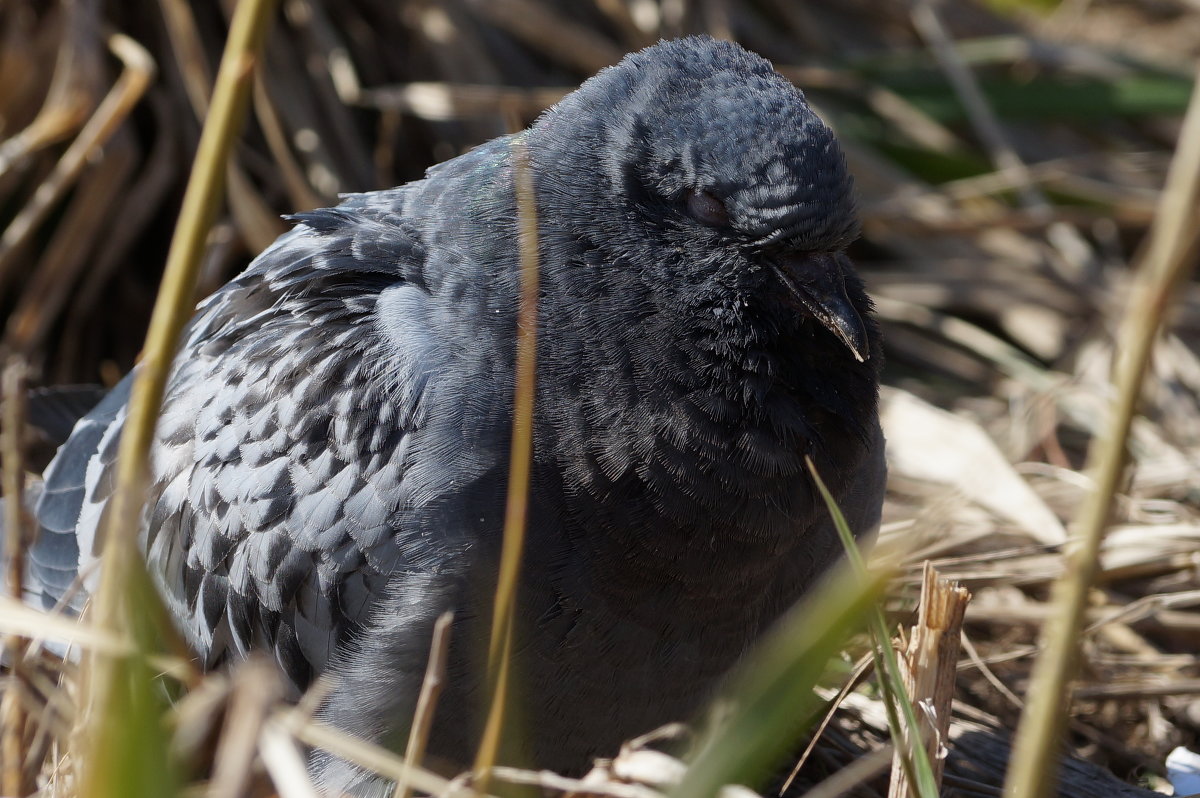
772 693
896 699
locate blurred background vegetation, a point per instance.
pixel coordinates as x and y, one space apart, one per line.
1009 156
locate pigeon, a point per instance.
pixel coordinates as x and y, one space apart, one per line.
331 461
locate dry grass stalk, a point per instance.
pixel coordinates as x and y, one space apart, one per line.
256 689
1165 263
550 32
983 118
445 101
930 665
255 221
431 689
374 758
172 309
861 669
139 71
520 462
63 262
588 787
285 762
69 98
12 714
174 304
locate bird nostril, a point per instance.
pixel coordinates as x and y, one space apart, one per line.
707 209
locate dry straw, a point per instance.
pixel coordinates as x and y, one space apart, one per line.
1166 261
122 567
520 462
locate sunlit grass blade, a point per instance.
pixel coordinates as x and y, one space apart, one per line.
772 693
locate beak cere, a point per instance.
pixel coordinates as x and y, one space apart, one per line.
815 281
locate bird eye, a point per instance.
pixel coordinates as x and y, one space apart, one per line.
707 209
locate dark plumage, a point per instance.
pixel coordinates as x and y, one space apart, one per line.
332 455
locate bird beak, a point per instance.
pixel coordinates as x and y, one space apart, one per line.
815 281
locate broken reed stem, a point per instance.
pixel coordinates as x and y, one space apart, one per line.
172 308
12 716
1033 768
520 462
431 689
929 666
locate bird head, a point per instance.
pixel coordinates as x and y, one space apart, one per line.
700 163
